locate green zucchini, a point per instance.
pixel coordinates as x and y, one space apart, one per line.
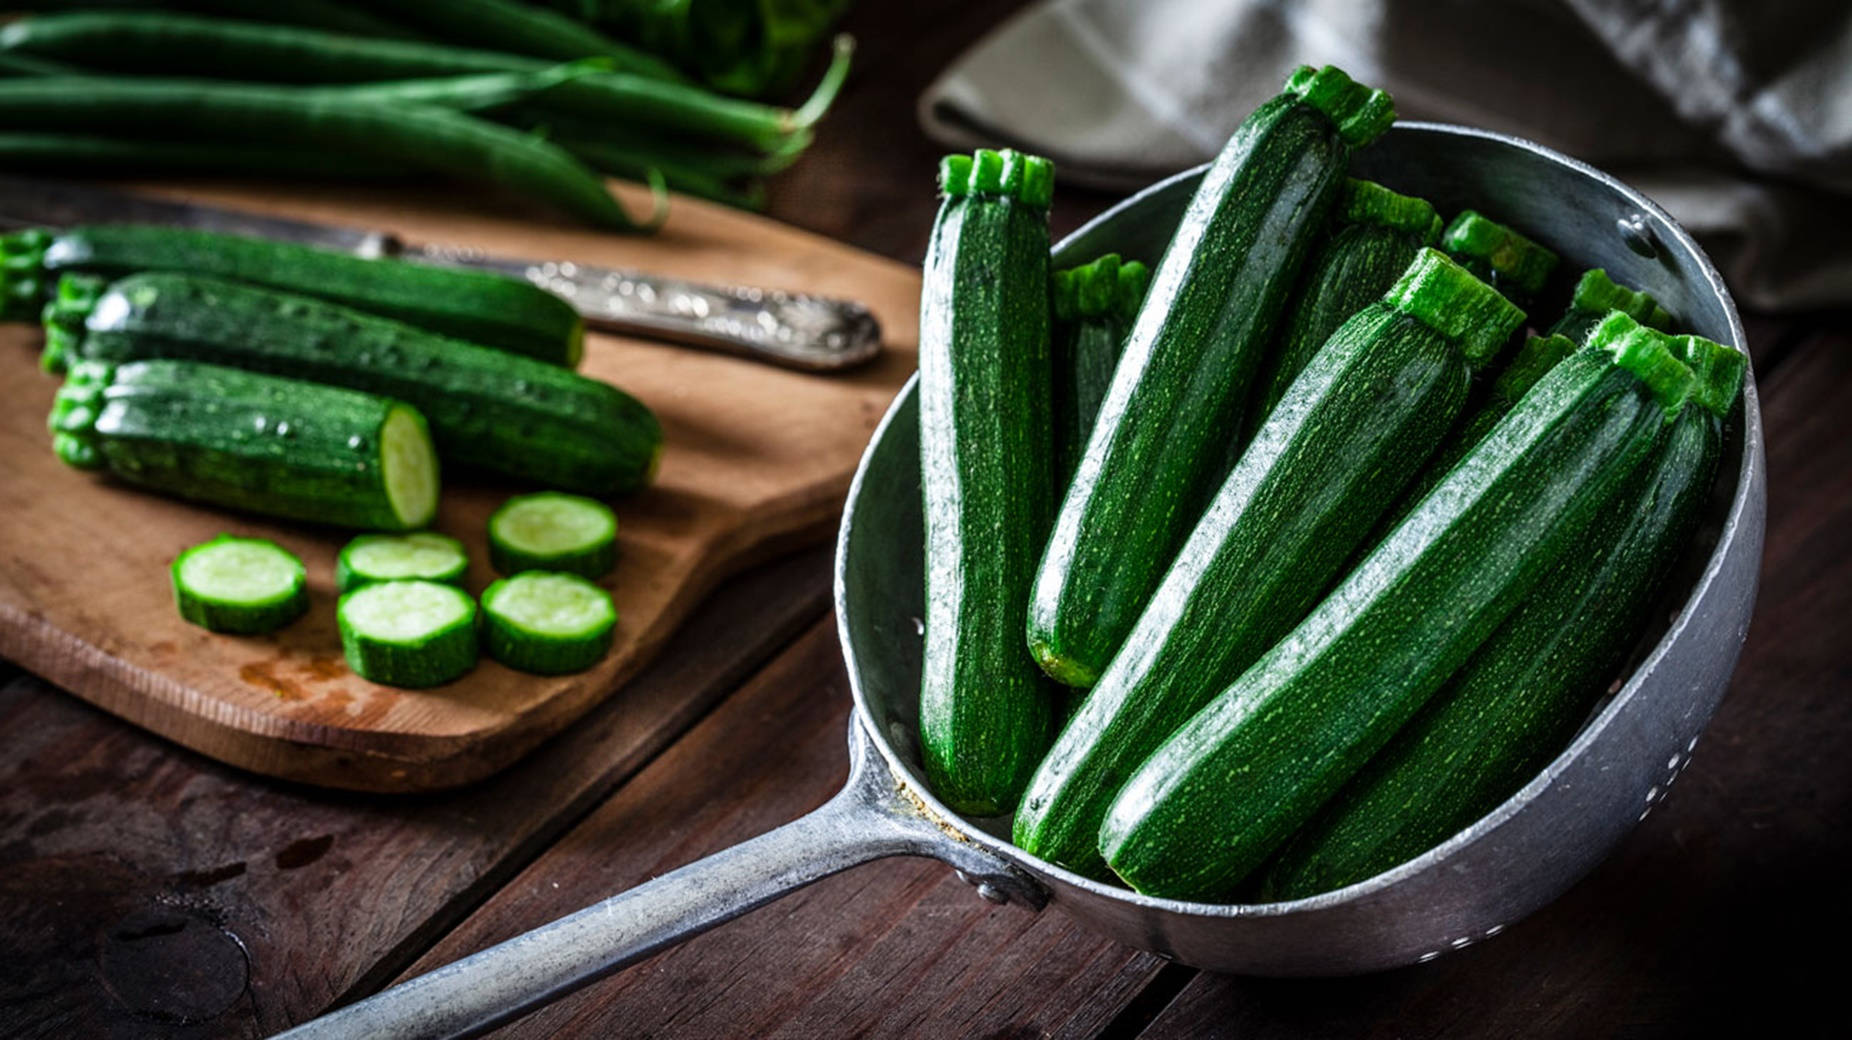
987 468
1093 304
1378 233
1595 295
249 441
421 555
1157 450
549 531
1360 419
242 586
487 408
547 623
1512 263
1524 694
478 306
408 633
1231 783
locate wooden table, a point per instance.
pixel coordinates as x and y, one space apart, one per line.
145 891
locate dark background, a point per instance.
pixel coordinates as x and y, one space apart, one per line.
145 891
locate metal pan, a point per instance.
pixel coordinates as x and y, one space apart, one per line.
1501 868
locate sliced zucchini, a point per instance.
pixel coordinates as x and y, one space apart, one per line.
550 531
408 633
244 586
547 623
424 555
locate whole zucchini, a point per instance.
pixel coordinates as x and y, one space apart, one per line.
1224 790
484 308
1360 419
987 477
1526 692
1159 447
249 441
1512 263
487 408
1376 236
1093 305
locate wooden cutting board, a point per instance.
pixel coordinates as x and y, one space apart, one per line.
756 461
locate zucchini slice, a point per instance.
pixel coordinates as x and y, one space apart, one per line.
408 633
547 623
1513 264
423 555
243 586
550 531
1235 780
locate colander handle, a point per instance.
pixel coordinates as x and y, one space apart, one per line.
872 817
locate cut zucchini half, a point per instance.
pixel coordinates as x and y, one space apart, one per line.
547 623
243 586
551 531
410 464
408 633
422 555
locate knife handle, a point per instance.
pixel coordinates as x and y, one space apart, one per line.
796 330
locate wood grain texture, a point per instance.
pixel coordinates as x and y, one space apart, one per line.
894 948
756 460
132 873
1718 914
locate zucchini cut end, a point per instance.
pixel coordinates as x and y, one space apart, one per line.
1499 254
1597 293
408 462
1367 202
1361 113
1719 371
1447 298
1028 179
1105 288
1650 355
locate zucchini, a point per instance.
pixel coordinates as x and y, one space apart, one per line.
1515 265
549 531
1157 451
547 623
408 633
478 306
1228 786
249 441
1595 295
1093 304
242 586
1526 692
1378 233
488 409
1360 419
987 468
423 555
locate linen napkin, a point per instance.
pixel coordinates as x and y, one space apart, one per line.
1736 115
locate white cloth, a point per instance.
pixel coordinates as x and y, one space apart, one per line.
1736 115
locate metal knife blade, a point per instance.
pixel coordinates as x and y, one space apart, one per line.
794 330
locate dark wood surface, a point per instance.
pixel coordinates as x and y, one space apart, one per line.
145 891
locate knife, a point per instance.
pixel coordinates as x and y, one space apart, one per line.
795 330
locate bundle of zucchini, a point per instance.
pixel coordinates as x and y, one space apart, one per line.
471 89
1312 569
